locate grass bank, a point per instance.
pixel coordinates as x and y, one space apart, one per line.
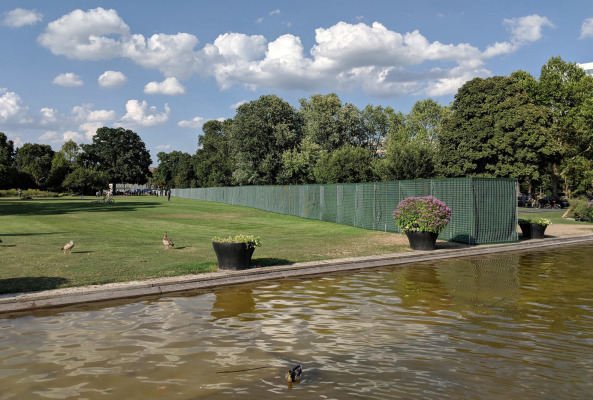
555 217
122 241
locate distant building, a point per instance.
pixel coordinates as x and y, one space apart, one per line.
588 67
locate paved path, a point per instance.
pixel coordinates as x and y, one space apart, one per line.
87 294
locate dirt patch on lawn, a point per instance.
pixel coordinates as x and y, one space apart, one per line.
568 230
554 230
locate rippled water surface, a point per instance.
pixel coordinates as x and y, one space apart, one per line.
515 326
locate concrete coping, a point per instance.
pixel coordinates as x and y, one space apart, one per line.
160 286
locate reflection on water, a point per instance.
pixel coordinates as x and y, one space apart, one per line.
514 326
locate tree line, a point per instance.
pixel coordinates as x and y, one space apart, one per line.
116 155
539 131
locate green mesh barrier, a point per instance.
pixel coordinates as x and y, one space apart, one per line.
483 210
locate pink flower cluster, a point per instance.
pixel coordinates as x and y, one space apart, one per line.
425 214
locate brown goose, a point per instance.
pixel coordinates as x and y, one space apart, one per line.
167 242
68 246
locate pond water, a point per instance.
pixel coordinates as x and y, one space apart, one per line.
514 326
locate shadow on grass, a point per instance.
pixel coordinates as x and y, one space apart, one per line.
268 262
51 206
34 234
30 284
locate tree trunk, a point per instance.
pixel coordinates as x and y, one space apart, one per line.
554 180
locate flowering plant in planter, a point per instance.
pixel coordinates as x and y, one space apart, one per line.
249 240
537 221
422 214
533 227
235 252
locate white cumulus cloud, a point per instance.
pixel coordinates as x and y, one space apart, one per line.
163 147
21 17
373 58
112 79
55 137
587 29
195 123
49 116
238 104
169 86
90 129
523 30
173 55
138 114
90 120
85 35
68 79
527 29
12 108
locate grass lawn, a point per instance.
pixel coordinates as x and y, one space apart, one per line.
554 216
123 241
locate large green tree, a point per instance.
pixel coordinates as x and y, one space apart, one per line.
262 130
348 164
34 160
495 130
567 91
328 125
175 169
118 153
62 164
321 121
88 180
406 159
376 122
412 144
213 163
8 170
425 121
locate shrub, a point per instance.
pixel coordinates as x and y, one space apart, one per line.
422 214
27 192
581 210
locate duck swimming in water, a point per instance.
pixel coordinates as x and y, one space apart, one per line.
295 374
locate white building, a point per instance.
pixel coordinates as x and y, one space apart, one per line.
588 67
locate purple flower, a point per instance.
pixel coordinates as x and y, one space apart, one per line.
427 214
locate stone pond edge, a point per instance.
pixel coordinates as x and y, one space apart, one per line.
161 286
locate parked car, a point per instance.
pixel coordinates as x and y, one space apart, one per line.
553 202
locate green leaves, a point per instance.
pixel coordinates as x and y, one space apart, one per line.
496 130
261 132
347 164
120 154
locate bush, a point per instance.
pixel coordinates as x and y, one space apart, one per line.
27 192
581 210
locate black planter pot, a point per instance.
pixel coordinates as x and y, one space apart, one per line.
533 231
233 255
537 231
422 240
525 230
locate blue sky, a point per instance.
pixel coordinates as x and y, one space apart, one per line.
163 68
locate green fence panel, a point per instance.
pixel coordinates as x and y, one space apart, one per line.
483 210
